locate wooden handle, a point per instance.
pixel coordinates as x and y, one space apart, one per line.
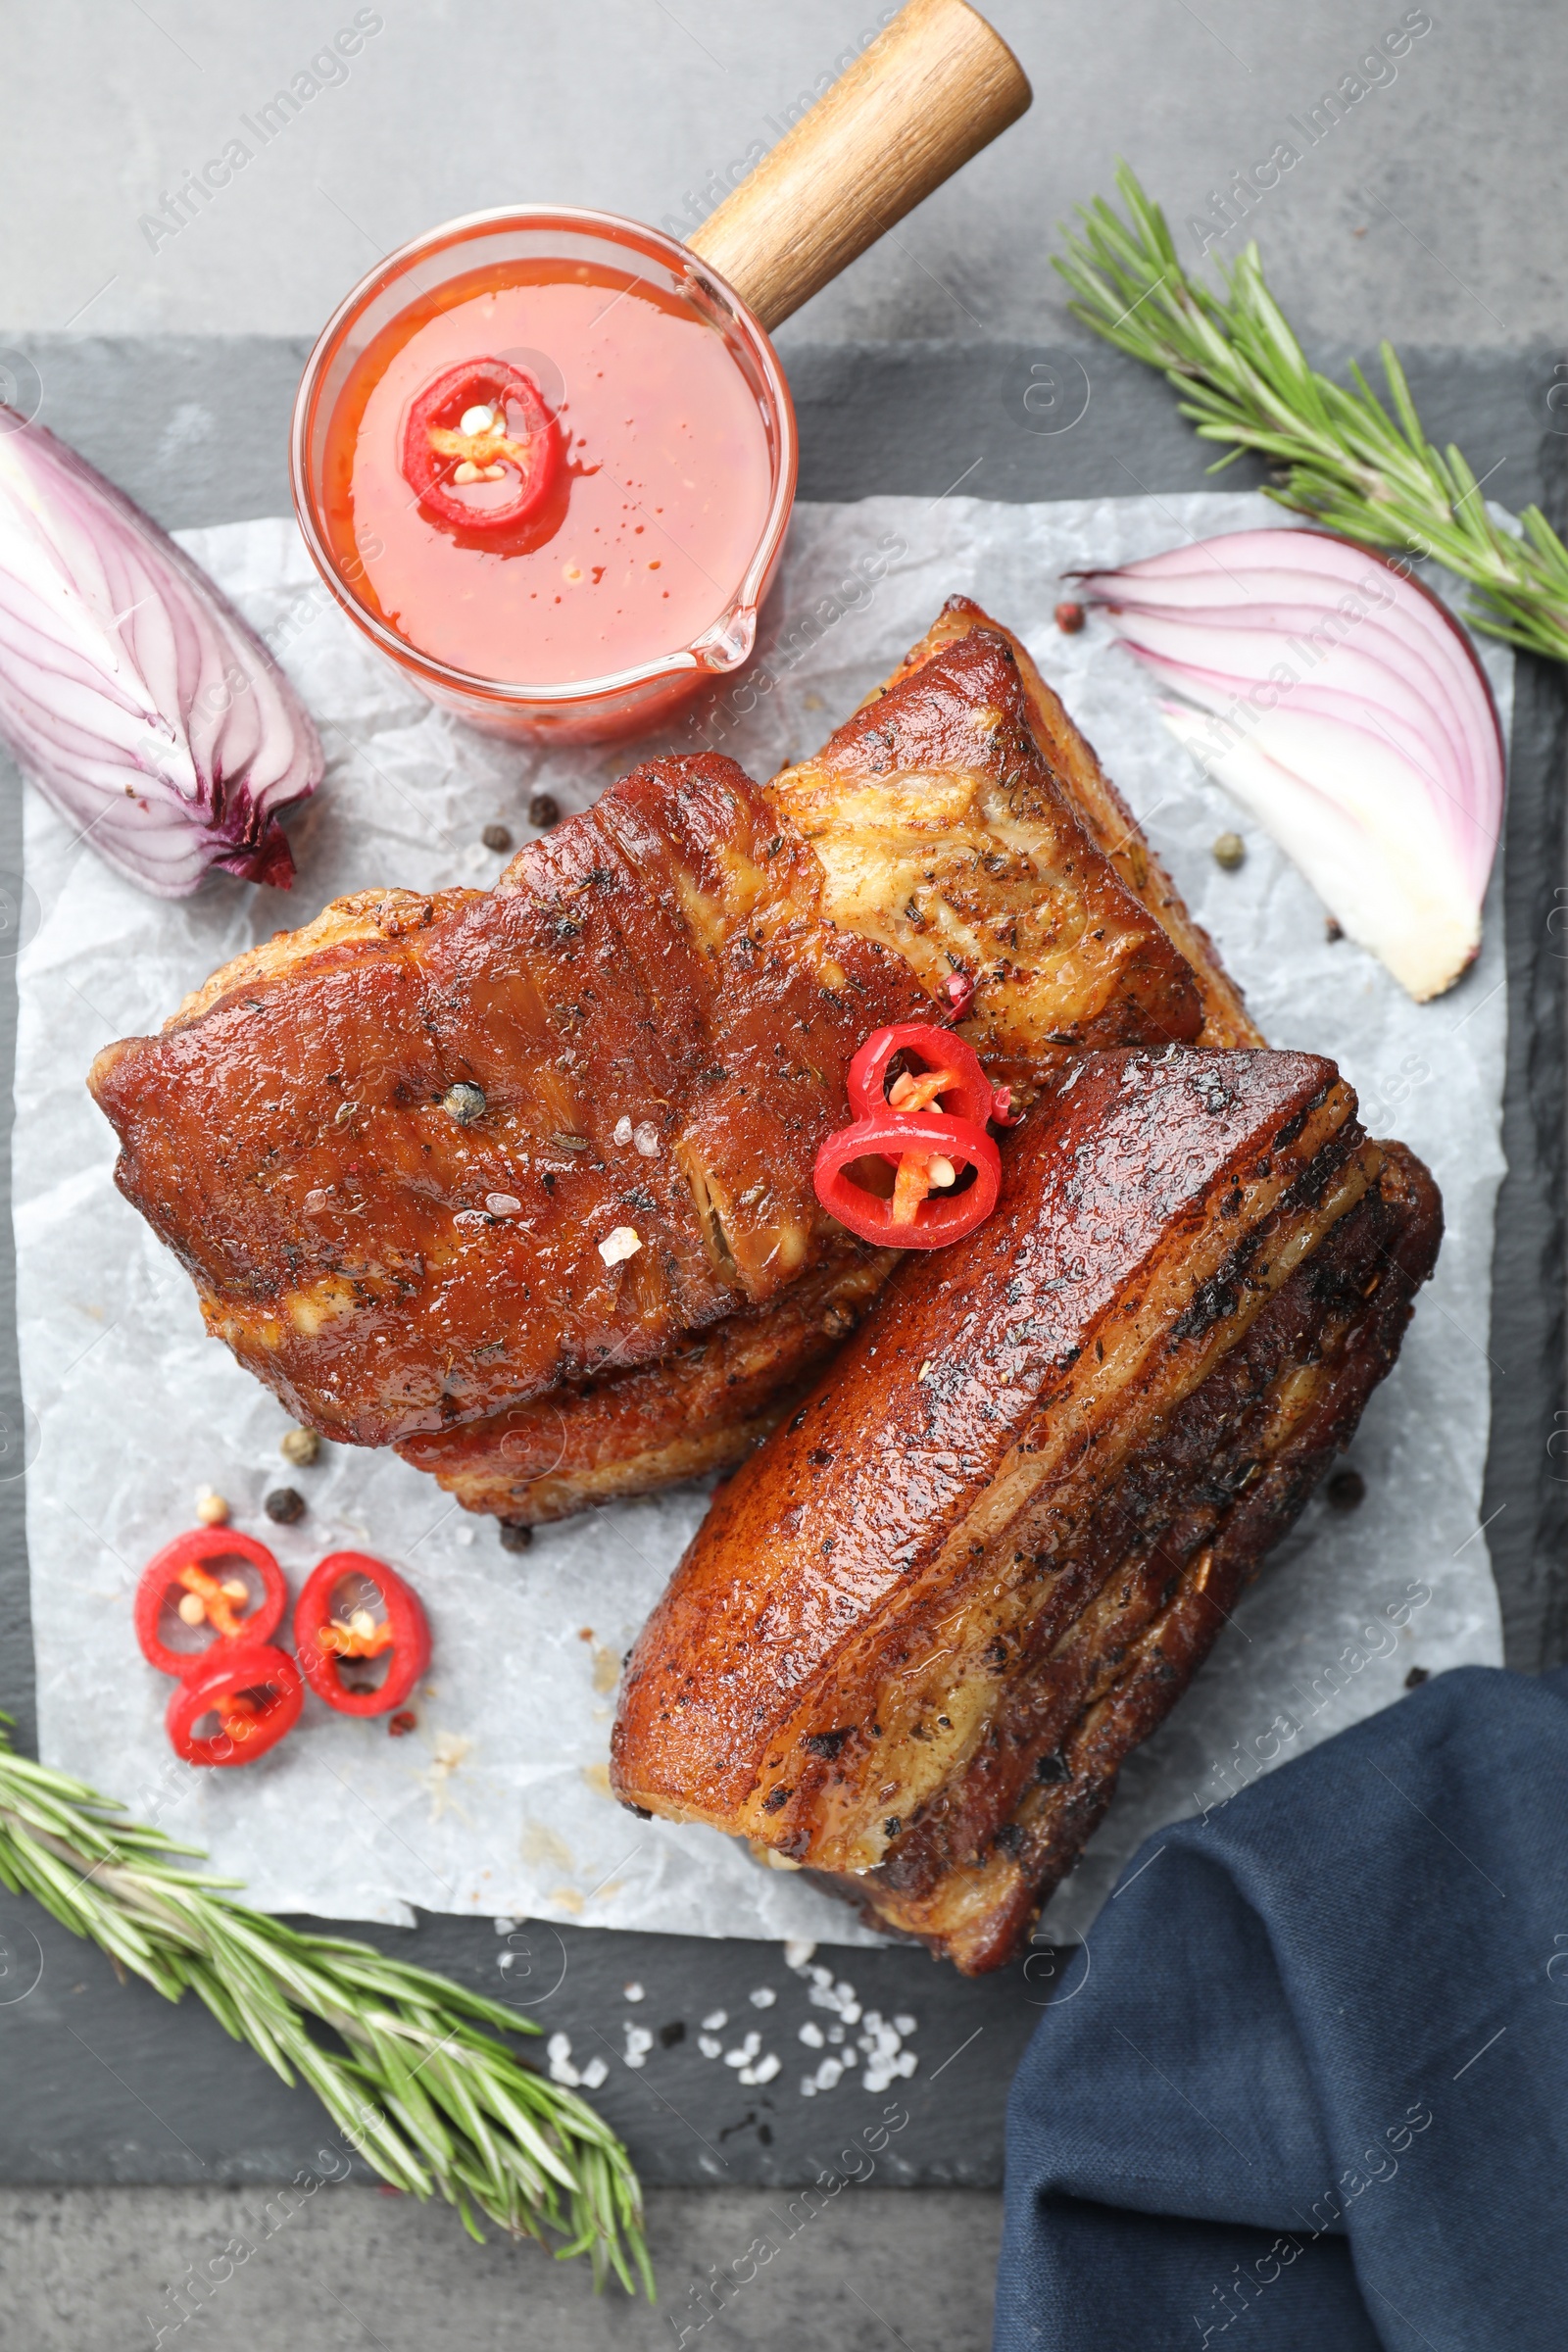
930 91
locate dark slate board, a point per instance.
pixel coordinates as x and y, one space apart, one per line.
104 2082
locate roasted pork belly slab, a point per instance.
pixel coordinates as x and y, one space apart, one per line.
1101 811
948 836
920 1629
390 1147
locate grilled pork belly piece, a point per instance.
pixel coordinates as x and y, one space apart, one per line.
947 834
385 1146
951 813
391 1147
920 1630
1101 811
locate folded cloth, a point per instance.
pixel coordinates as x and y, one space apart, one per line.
1306 2087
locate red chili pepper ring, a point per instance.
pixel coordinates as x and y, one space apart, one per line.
967 1094
481 426
187 1577
255 1693
326 1641
916 1218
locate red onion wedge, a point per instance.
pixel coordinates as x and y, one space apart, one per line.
130 692
1342 705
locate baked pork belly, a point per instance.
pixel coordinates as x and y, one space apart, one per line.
396 1150
402 1151
1099 807
938 811
920 1630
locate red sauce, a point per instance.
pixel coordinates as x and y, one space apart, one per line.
656 510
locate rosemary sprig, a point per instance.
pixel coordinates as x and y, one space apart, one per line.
399 2057
1338 455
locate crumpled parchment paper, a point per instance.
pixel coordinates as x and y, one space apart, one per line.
499 1802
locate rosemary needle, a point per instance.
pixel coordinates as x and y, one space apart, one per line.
400 2058
1338 455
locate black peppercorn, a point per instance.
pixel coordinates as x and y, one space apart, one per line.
286 1504
515 1535
1416 1677
496 837
1345 1491
544 810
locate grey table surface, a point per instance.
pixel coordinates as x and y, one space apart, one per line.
1399 219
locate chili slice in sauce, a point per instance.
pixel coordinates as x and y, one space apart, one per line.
255 1693
182 1576
326 1641
928 1151
482 422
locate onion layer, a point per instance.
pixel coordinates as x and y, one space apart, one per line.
130 691
1342 705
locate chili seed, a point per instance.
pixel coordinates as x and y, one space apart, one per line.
571 1143
192 1609
400 1724
544 810
515 1535
211 1509
301 1447
463 1102
1230 852
1069 617
284 1504
497 838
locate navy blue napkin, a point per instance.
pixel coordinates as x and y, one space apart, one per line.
1308 2088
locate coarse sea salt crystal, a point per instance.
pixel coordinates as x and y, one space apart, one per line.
811 2034
715 2020
798 1951
631 1992
746 2053
905 2022
558 2051
623 1134
639 2041
764 2071
828 2073
624 1242
763 1997
710 2045
593 2072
